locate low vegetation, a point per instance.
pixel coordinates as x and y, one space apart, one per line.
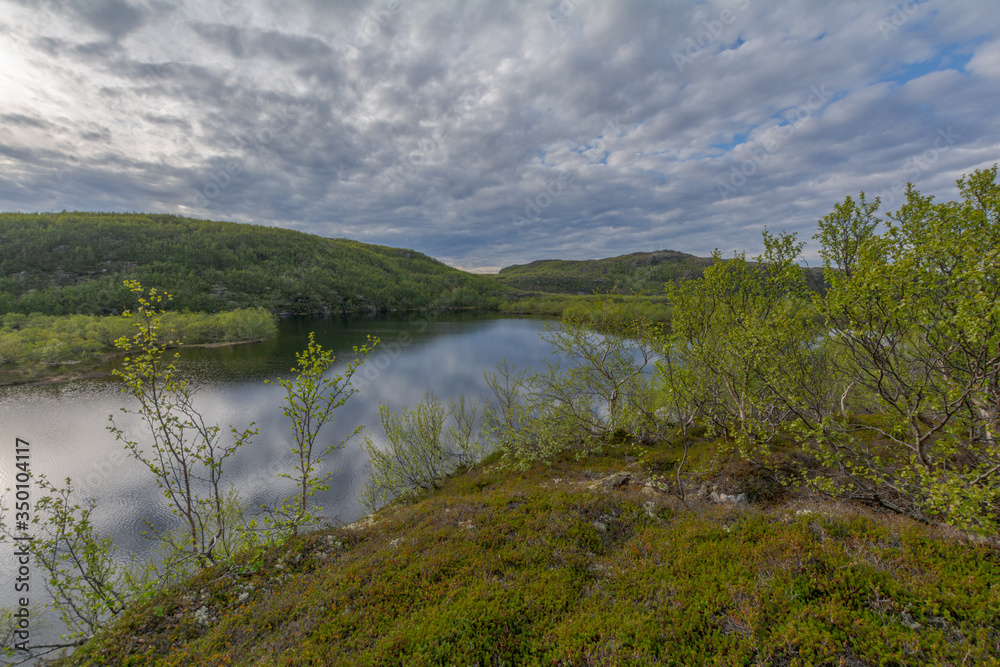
583 562
654 308
35 347
783 477
638 272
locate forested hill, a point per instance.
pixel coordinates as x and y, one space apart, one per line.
62 263
640 271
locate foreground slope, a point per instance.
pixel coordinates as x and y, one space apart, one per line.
585 563
75 262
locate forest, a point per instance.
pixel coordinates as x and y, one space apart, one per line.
74 263
646 272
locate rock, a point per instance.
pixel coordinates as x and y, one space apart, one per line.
909 622
364 522
613 481
725 498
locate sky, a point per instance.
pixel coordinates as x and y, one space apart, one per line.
487 132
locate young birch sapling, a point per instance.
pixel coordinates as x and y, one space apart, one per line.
310 400
185 454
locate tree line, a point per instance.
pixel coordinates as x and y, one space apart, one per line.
646 272
75 263
35 345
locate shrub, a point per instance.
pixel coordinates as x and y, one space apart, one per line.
421 451
310 400
917 313
597 383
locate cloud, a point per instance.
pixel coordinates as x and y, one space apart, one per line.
490 133
986 61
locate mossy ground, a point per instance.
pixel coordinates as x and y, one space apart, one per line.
577 565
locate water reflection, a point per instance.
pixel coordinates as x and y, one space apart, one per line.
66 423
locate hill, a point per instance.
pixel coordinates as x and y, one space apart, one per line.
61 263
586 563
636 272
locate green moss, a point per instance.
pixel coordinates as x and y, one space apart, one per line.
540 567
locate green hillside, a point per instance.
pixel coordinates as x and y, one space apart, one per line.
584 563
60 263
75 262
637 272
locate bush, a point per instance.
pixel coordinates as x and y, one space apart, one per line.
916 311
597 383
739 352
421 451
310 401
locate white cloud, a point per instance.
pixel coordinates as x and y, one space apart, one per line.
986 61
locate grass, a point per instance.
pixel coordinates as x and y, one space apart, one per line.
585 563
655 308
40 347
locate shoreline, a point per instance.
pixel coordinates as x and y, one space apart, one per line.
92 373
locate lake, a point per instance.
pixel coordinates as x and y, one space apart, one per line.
65 423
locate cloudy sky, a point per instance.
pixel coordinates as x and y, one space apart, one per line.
487 133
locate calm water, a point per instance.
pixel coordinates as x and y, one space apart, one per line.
66 423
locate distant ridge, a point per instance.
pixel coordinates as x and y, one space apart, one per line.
638 271
647 271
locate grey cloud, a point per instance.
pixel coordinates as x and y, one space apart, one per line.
115 18
167 120
23 121
241 42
